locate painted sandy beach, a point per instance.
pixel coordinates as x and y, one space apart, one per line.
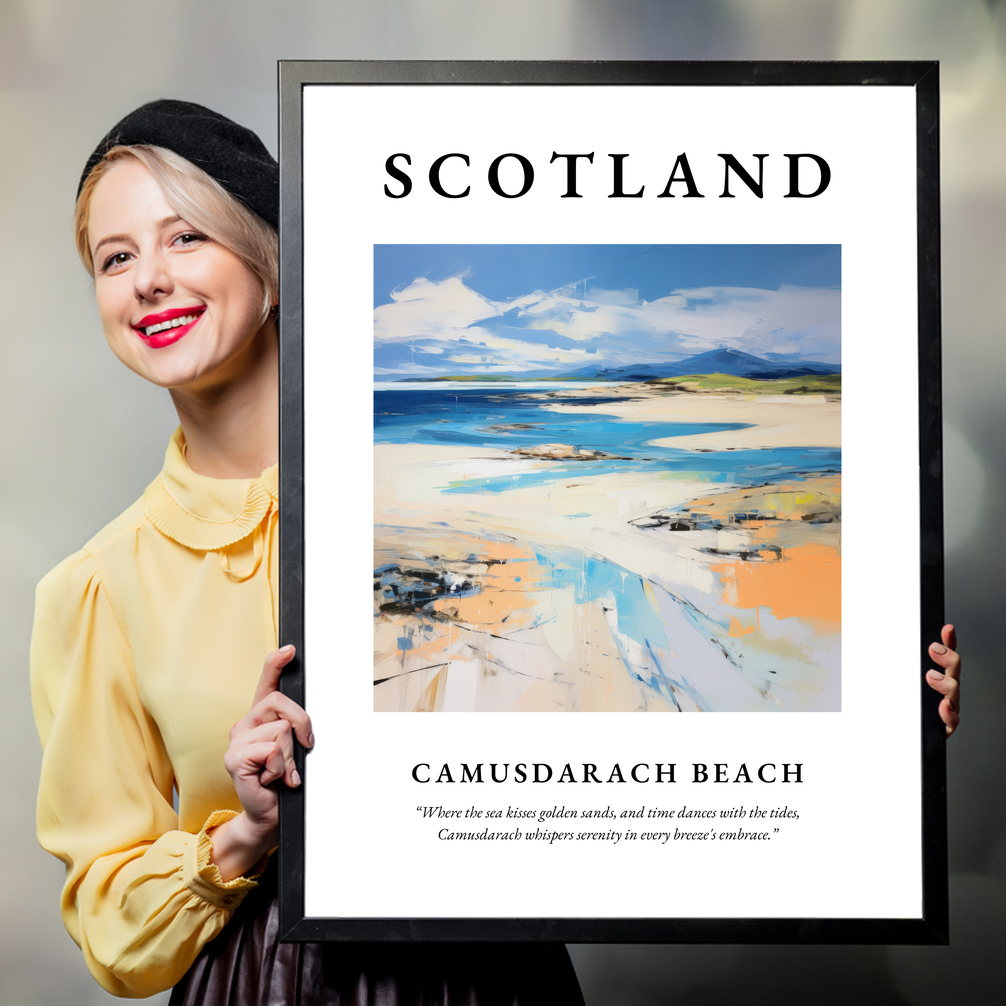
658 543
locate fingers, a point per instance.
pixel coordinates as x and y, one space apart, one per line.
949 636
265 751
271 671
271 759
949 688
949 713
277 706
950 716
944 653
262 761
947 681
270 703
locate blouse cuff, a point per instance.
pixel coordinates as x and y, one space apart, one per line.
202 876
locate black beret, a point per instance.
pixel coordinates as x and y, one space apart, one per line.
231 154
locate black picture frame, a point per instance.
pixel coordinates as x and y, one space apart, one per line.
932 925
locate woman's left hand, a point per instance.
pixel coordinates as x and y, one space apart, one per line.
948 681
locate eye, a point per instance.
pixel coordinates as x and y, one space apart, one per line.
189 239
115 261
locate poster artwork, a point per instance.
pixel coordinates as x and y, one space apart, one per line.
620 385
607 478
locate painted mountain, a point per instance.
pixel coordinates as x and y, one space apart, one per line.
716 361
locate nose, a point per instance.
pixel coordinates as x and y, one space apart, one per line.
152 277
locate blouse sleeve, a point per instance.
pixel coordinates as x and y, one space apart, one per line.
141 898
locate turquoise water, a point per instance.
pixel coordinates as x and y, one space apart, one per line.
480 418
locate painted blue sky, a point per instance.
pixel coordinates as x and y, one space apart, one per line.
541 309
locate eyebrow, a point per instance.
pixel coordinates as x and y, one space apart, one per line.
160 225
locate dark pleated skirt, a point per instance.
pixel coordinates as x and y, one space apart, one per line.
246 965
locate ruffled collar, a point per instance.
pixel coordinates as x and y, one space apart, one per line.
203 513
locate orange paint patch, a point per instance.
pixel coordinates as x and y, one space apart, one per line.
511 575
500 550
736 629
805 582
489 607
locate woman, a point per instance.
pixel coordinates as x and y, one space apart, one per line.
148 643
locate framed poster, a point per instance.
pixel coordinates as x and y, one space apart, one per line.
610 393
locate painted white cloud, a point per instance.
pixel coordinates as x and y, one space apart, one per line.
425 310
610 327
693 321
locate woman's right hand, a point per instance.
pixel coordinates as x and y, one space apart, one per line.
260 753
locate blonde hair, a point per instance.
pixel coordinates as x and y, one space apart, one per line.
199 200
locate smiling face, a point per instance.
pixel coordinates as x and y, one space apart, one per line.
177 307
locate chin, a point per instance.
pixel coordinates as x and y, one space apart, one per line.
176 382
170 374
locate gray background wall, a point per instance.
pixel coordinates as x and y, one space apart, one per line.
82 437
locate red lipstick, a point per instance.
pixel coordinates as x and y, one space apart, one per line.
166 327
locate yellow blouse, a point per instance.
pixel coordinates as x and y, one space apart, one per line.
147 647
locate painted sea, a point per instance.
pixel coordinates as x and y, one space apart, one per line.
519 416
